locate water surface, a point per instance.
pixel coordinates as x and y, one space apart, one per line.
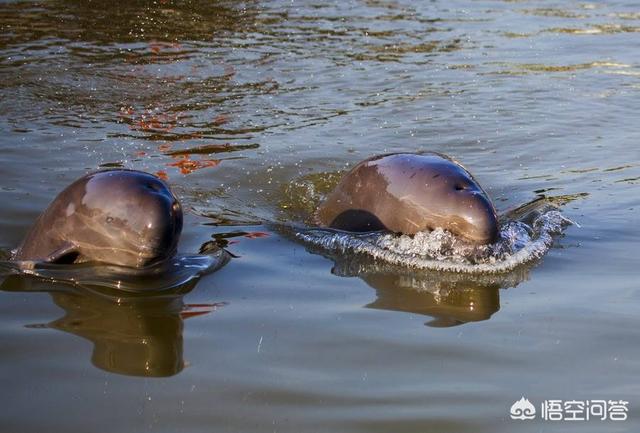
245 106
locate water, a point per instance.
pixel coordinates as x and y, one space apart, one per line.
242 106
167 275
439 250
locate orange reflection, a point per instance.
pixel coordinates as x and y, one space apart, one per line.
188 165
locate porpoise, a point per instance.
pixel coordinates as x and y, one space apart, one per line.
120 217
408 193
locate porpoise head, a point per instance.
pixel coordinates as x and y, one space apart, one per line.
409 193
135 214
443 193
122 217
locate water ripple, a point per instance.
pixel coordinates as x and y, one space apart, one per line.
161 277
520 243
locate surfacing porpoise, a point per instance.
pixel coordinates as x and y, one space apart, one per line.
120 217
411 192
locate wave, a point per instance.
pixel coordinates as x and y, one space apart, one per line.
526 235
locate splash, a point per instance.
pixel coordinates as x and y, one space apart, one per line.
522 240
165 276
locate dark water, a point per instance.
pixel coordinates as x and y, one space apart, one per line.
250 109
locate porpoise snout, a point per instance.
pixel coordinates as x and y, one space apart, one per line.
481 217
162 224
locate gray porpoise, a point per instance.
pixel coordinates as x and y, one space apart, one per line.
410 192
121 217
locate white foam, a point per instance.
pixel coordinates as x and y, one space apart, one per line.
439 250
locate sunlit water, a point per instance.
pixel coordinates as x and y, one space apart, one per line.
252 111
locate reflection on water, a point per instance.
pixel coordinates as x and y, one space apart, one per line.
131 335
403 269
451 299
133 316
449 306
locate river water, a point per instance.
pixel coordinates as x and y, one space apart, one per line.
251 110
